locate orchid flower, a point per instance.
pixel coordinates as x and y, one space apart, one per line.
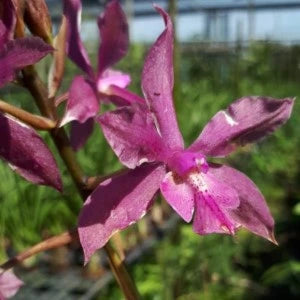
16 54
147 140
83 101
9 284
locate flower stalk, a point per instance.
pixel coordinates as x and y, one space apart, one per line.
39 92
51 243
37 122
124 280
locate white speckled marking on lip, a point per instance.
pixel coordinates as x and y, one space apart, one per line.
196 180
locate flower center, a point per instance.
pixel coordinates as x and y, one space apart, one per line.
185 163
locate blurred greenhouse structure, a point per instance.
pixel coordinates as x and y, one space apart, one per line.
205 20
225 49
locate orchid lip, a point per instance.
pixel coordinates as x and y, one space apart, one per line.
196 181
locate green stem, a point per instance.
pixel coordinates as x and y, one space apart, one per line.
124 280
37 122
51 243
40 94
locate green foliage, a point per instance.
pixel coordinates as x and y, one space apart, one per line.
184 265
286 272
187 266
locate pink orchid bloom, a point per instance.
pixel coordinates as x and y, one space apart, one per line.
9 284
217 197
83 103
16 54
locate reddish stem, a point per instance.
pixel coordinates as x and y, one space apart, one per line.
51 243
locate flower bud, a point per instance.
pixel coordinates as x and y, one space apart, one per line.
11 16
38 20
19 8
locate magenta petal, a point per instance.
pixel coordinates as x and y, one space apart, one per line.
246 120
114 36
213 200
179 195
223 194
20 53
75 48
210 218
253 212
82 102
158 81
7 22
27 154
115 204
9 284
80 132
131 133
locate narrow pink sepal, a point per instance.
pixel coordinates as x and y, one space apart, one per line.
80 132
9 284
112 77
27 154
114 36
117 101
75 48
19 53
117 203
245 121
179 195
252 212
7 22
158 81
131 133
124 96
82 102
